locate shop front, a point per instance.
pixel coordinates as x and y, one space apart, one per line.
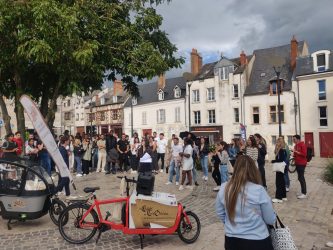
213 133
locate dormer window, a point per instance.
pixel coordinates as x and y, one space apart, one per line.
114 99
177 92
134 101
160 95
321 62
273 90
102 101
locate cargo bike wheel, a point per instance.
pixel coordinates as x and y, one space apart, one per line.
56 208
69 223
189 232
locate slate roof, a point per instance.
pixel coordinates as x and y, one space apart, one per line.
304 65
148 91
207 70
263 72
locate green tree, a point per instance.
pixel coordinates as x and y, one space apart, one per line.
52 48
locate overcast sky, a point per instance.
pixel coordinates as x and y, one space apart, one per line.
228 26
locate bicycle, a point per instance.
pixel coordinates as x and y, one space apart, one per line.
292 165
79 222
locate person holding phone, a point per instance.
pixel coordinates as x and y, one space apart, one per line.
9 147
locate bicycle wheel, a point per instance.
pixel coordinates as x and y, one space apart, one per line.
292 166
69 226
189 233
57 206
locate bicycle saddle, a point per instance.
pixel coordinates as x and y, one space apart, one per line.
90 189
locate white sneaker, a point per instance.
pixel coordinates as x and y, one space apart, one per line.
189 187
287 189
84 174
216 188
161 171
177 183
276 200
203 177
181 188
284 199
168 183
206 178
302 196
133 172
329 244
79 175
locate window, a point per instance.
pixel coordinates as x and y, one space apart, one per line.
77 117
144 118
224 72
273 140
67 116
68 103
102 116
211 116
322 89
323 116
235 93
273 112
134 101
321 62
102 100
255 115
160 95
236 115
195 96
91 117
274 87
82 116
262 74
161 116
290 140
115 114
177 114
211 94
197 117
115 99
177 92
64 105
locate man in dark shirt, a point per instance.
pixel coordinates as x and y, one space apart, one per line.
64 181
123 149
9 147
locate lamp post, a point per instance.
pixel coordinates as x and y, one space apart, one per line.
278 72
132 131
91 134
189 106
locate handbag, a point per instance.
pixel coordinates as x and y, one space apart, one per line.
281 237
279 166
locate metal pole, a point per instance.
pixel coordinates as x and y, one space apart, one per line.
279 102
91 116
189 107
132 131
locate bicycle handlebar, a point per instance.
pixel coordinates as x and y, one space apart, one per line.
127 179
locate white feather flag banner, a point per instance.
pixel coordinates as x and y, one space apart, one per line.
45 134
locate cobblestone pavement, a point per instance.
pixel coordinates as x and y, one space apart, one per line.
310 220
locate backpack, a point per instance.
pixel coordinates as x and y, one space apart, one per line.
308 154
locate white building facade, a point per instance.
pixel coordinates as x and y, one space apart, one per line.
314 82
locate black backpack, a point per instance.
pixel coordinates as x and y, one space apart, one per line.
308 154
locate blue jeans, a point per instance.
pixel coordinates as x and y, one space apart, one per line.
172 168
204 165
286 175
194 174
46 162
224 173
77 160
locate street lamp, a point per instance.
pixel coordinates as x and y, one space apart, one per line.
132 130
278 72
90 91
189 106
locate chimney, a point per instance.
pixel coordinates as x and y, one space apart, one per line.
117 88
293 52
161 82
196 62
242 58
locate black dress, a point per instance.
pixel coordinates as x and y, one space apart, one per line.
279 178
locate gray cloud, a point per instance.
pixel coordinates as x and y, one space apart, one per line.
228 26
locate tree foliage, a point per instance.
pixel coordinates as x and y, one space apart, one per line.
51 47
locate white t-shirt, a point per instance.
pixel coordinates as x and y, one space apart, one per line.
176 149
161 145
188 162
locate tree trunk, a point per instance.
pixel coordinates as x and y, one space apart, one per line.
5 115
19 108
44 104
53 107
